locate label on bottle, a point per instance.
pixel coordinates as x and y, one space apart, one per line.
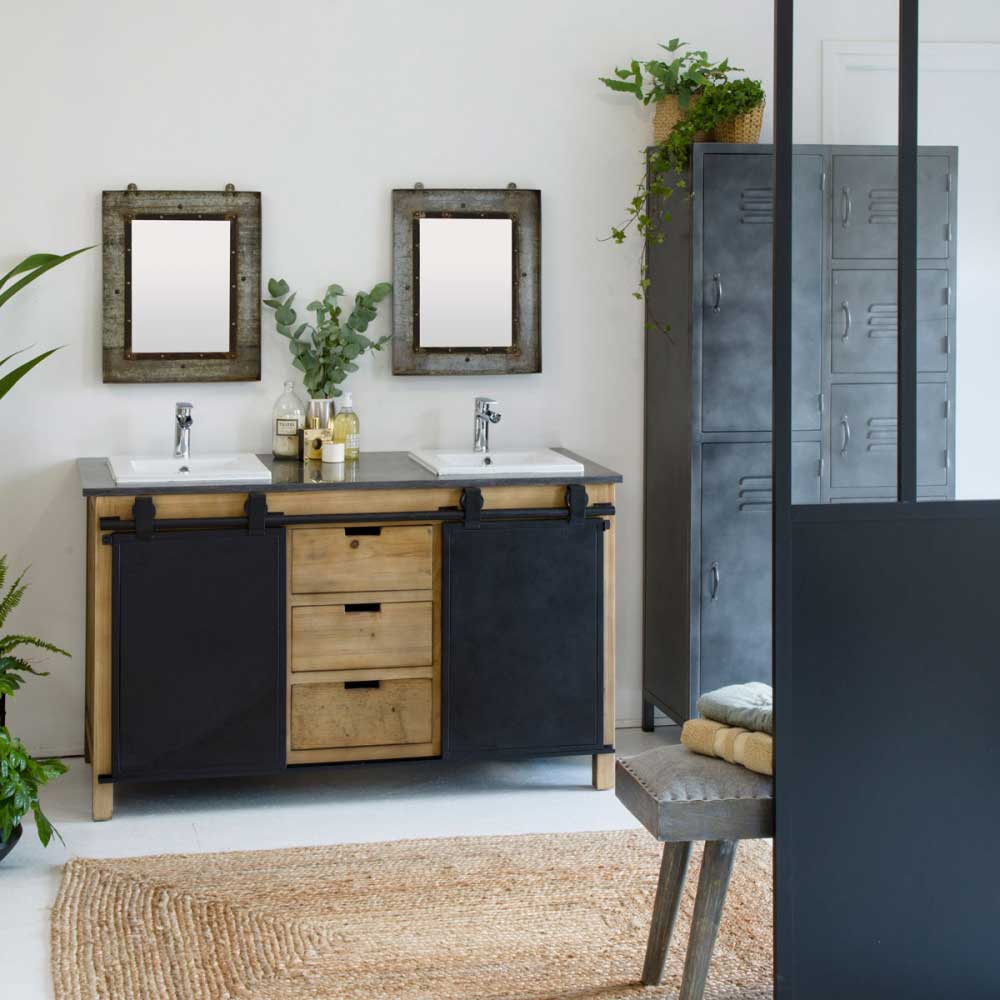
286 426
352 445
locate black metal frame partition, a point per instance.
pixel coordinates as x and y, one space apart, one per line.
869 900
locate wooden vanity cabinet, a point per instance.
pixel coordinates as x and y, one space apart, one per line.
364 611
359 672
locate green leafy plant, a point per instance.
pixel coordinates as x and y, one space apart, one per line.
326 351
21 775
719 100
684 76
30 268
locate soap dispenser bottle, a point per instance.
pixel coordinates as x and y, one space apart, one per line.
347 428
287 419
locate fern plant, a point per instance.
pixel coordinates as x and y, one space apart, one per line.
21 775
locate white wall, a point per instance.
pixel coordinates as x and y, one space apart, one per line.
325 106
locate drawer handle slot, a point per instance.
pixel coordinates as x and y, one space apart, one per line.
364 530
355 685
354 609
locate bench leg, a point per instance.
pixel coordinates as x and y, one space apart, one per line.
673 871
716 868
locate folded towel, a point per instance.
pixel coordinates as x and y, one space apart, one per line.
754 751
699 735
749 706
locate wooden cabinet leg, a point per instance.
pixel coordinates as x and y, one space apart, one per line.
673 873
713 883
102 799
603 771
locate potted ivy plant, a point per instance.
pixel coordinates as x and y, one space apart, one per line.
21 775
700 102
327 350
673 86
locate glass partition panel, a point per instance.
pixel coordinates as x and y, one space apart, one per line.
844 234
958 346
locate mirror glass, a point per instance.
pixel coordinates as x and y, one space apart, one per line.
180 286
465 283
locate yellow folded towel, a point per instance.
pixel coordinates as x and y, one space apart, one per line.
699 735
754 751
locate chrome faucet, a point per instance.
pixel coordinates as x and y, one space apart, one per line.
485 416
182 430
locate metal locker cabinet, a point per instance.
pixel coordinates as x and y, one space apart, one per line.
736 556
735 304
866 206
864 321
863 435
735 293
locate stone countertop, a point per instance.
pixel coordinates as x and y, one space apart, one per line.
375 470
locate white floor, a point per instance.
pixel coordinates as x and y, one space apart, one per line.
321 805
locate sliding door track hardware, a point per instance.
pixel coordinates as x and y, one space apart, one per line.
277 519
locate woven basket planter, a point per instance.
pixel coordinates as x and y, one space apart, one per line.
743 128
668 114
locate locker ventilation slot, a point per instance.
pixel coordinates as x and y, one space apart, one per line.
755 493
881 434
757 205
883 321
883 206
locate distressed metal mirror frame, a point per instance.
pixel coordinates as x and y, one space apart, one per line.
241 362
523 208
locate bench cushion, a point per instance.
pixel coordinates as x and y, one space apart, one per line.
679 795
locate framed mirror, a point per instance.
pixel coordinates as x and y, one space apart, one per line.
181 286
466 281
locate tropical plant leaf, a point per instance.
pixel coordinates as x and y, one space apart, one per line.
277 287
35 270
8 381
12 598
8 643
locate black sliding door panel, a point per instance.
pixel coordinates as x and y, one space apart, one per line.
199 654
523 637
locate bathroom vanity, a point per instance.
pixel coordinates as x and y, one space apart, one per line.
379 612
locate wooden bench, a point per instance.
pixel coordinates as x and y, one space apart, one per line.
680 797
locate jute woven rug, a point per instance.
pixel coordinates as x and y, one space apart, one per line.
543 917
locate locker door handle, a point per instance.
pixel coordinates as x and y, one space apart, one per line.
717 281
845 436
846 309
714 591
846 206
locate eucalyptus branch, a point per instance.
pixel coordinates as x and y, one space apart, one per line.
325 351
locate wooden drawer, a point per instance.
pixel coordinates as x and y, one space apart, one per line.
354 636
362 713
338 560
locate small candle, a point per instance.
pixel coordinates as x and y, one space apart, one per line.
333 451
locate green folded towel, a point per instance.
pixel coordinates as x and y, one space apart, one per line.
749 706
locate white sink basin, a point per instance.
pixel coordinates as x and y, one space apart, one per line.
540 462
239 468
